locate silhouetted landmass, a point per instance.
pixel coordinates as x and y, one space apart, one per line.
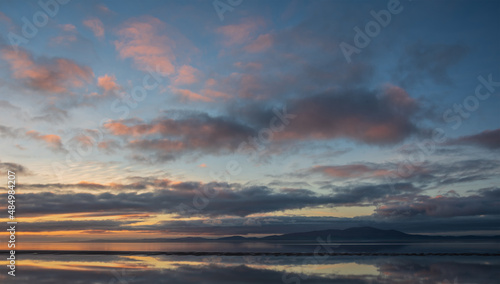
357 234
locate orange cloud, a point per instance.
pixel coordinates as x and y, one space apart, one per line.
142 41
108 83
118 128
96 26
53 75
52 140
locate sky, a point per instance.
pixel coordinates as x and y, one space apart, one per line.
168 119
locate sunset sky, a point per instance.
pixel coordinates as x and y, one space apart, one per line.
154 119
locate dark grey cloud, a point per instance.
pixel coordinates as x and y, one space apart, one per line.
484 202
237 201
52 114
378 117
70 225
17 168
9 132
489 139
292 224
170 137
212 199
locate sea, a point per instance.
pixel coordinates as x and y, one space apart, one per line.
254 262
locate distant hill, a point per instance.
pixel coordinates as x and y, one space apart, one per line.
351 234
357 234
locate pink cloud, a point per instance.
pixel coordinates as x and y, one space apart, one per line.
192 96
169 138
103 8
4 18
187 75
120 129
351 171
357 115
68 28
68 35
63 39
96 26
262 43
142 41
215 94
52 75
240 33
399 97
108 83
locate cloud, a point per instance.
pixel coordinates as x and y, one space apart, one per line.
9 132
167 196
68 28
50 226
262 43
186 94
54 75
187 75
292 224
143 41
379 117
17 168
230 200
351 171
52 114
484 202
370 117
240 33
4 18
96 26
196 132
104 9
489 139
51 140
108 83
109 146
69 35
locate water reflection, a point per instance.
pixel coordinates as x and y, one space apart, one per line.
251 269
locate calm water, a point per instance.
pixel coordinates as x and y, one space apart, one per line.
271 247
216 268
